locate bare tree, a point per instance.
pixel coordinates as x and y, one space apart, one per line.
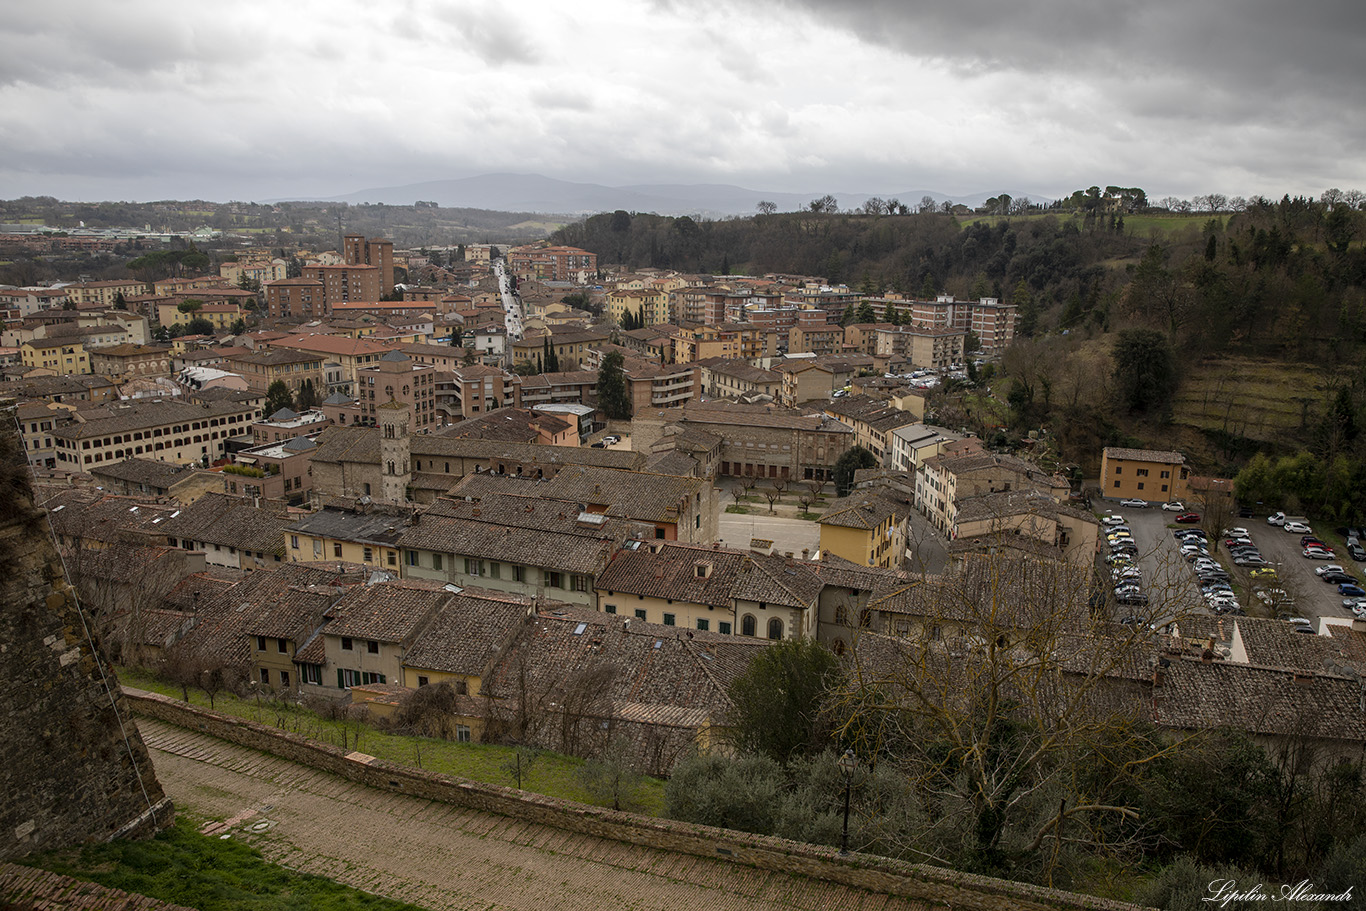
520 763
995 702
766 207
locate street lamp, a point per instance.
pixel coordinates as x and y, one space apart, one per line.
848 763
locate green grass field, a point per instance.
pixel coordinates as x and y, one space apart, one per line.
552 774
212 874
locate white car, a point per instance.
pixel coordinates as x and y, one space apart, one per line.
1174 506
1298 528
1235 532
1330 568
1276 518
1134 503
1112 520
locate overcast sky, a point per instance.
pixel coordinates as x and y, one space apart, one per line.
141 99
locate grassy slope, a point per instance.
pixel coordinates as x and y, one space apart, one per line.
1161 225
1256 398
552 774
210 874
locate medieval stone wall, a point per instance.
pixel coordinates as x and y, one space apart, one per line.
74 767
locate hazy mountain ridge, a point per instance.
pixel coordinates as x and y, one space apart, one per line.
537 193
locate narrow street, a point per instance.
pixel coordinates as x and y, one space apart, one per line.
443 857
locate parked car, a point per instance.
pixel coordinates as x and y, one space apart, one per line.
1189 533
1131 597
1357 552
1337 578
1315 553
1355 605
1250 561
1351 590
1119 559
1114 519
1267 572
1188 518
1174 506
1297 528
1236 532
1330 568
1310 539
1276 518
1134 503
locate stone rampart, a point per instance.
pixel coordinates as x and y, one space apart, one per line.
932 885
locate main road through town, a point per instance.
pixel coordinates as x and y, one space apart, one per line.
440 856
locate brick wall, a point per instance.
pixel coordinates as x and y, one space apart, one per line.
932 885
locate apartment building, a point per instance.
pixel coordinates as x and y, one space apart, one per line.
295 298
1155 475
561 264
167 430
395 377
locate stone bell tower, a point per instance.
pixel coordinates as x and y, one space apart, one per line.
395 420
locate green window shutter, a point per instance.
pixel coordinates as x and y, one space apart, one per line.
340 684
382 680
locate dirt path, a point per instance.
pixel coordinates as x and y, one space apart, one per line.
440 857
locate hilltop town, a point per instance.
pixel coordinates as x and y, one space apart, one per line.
586 498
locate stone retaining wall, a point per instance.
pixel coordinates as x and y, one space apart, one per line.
876 874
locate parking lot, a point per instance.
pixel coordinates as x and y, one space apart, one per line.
1173 589
1313 598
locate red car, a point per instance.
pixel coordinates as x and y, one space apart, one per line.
1189 517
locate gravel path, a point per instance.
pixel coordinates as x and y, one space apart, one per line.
439 856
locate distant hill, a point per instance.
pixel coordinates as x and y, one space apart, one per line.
536 193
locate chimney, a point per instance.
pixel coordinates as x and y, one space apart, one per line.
476 511
806 553
1207 655
1303 678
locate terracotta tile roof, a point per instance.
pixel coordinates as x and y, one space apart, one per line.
387 611
124 416
468 632
1164 456
223 618
544 533
864 509
361 444
217 518
381 527
143 471
1197 695
1274 643
96 516
649 665
708 575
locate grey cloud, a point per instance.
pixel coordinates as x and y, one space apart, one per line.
485 33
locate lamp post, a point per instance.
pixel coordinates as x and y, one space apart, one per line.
847 763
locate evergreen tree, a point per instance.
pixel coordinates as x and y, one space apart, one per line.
850 461
277 397
849 316
307 397
612 396
865 313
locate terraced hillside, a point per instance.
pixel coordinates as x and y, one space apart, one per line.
1263 400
